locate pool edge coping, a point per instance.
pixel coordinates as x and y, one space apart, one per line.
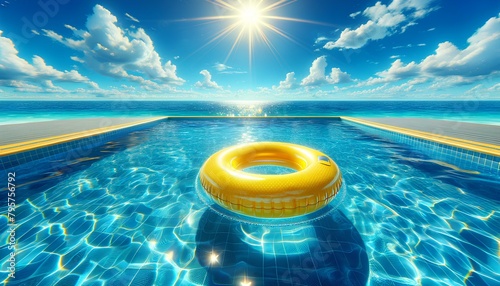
484 148
20 147
15 148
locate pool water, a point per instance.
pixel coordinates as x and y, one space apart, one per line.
135 217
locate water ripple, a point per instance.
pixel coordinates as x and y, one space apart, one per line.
134 218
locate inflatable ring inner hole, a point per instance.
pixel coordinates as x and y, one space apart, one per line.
273 158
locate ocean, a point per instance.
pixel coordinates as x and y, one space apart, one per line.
487 112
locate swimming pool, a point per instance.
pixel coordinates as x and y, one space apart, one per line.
132 215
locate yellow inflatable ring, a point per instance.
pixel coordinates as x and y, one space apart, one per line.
314 185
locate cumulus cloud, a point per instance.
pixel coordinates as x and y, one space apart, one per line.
207 81
479 59
14 70
11 65
383 20
399 70
290 82
317 74
119 53
338 76
355 39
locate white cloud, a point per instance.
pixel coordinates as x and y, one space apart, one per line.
225 69
45 71
71 28
483 91
495 87
11 65
53 35
93 85
232 72
382 21
376 90
405 27
353 15
21 86
290 82
320 40
338 76
376 12
355 39
221 67
207 81
481 57
419 8
14 70
50 87
449 81
111 51
317 74
132 18
399 70
451 65
77 59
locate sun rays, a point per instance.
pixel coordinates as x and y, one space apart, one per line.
251 21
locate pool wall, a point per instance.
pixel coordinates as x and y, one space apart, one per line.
484 158
481 159
71 146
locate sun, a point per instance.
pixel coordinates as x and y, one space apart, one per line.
250 15
250 20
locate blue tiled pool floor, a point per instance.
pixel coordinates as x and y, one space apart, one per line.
134 217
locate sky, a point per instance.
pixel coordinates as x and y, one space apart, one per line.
250 49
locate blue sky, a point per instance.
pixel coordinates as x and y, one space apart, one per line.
230 49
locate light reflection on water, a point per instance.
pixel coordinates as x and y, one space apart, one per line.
134 218
463 110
